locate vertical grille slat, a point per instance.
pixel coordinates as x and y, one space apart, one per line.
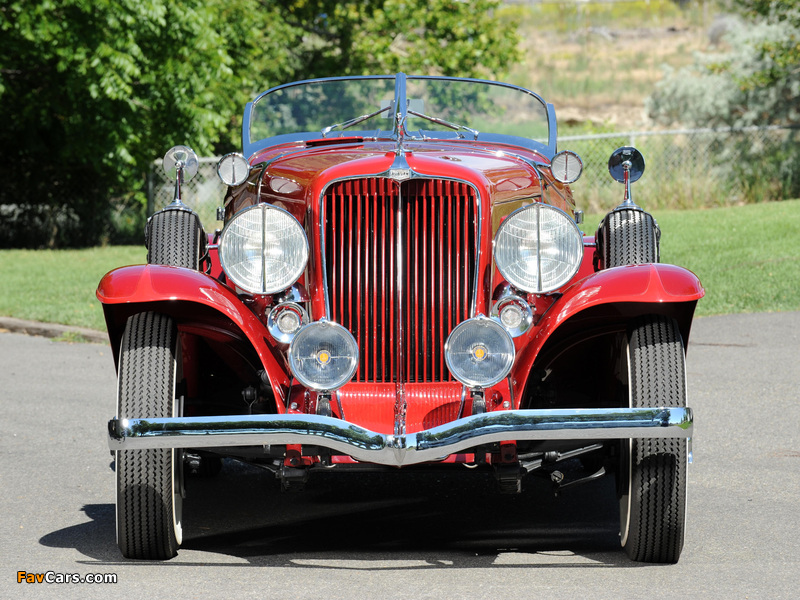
363 218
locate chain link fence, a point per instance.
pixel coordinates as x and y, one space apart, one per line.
691 168
687 168
203 193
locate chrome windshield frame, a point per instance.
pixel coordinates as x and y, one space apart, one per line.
250 146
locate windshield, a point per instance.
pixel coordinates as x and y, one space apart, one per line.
435 108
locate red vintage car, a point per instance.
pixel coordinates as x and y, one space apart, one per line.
402 281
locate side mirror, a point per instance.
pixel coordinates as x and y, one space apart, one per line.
626 165
181 164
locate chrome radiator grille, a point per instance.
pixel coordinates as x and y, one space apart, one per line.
400 253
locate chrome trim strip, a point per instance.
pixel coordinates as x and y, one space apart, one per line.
396 450
473 309
400 401
400 109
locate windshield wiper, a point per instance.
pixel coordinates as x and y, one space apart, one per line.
356 121
439 121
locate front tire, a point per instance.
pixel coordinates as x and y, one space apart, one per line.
628 236
653 472
175 237
149 482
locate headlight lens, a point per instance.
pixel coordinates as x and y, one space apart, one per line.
538 248
263 249
479 352
323 356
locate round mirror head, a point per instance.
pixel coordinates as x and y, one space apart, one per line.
181 157
566 167
624 159
233 169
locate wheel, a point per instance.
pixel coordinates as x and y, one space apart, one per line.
175 237
652 476
149 482
628 237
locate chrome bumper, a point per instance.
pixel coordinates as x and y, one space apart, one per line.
396 450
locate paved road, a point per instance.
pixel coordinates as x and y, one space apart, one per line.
437 536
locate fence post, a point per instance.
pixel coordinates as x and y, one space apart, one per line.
150 190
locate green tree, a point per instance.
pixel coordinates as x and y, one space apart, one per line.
427 37
92 90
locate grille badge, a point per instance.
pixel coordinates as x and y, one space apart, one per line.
399 174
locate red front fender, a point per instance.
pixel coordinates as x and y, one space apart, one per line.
621 293
650 284
175 291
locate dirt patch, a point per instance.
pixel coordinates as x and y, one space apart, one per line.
602 76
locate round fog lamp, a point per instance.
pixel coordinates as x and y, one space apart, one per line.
233 169
323 356
479 352
288 322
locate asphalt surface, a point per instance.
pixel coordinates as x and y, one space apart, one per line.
433 536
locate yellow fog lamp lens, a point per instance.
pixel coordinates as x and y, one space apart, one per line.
479 352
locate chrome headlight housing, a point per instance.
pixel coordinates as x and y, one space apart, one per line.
285 320
263 249
513 313
479 352
323 356
538 248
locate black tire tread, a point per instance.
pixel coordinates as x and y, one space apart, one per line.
144 477
628 237
658 486
175 238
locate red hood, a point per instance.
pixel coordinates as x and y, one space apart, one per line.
296 174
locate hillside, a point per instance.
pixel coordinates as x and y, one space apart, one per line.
597 62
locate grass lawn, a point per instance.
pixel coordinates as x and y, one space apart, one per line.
57 286
748 258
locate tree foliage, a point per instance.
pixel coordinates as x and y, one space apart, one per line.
92 90
754 80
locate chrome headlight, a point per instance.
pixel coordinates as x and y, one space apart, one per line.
538 248
263 249
323 356
479 352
